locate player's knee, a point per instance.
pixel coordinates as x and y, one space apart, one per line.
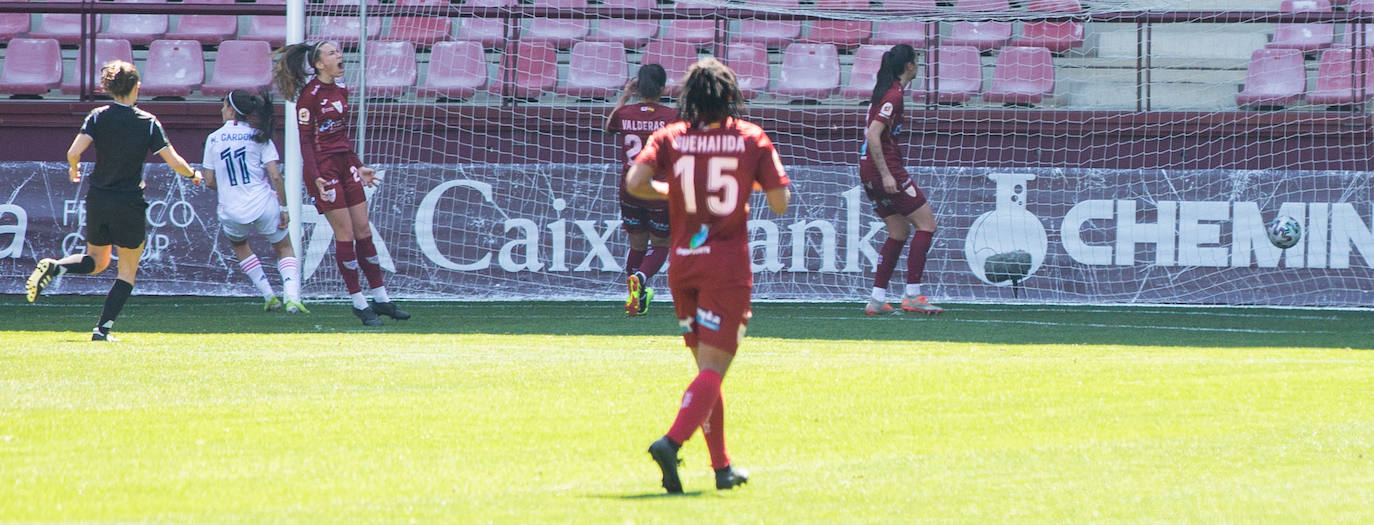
659 242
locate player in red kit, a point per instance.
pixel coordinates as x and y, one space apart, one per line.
333 174
895 196
713 161
646 221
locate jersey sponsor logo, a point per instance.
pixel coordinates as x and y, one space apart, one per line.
303 116
338 106
709 144
708 319
329 125
886 110
700 250
644 109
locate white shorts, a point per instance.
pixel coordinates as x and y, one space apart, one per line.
265 225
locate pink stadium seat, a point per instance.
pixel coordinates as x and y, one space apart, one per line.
845 34
528 70
240 64
491 32
12 25
206 29
959 70
675 57
1348 33
809 71
1023 75
1058 37
174 68
750 62
64 28
985 36
1276 77
1303 37
867 60
595 70
423 31
391 69
630 33
106 50
33 66
139 30
914 33
698 32
266 28
561 32
1343 80
456 70
774 33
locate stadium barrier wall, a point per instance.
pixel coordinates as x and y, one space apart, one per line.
551 231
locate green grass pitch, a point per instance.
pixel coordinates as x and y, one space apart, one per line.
211 411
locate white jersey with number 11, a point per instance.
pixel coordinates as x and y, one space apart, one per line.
245 194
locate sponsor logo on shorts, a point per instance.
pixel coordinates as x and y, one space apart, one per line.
708 319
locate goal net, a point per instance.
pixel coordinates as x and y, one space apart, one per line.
1076 152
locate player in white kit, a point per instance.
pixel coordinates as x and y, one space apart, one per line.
241 164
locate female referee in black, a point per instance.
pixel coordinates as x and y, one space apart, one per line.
115 210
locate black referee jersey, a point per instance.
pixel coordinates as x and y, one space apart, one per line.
123 137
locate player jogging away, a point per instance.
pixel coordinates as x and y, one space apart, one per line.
646 221
241 163
115 208
333 174
894 195
714 161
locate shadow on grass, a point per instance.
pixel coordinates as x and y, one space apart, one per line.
991 324
654 495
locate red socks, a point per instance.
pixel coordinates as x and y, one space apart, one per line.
633 261
701 396
367 258
653 262
713 431
348 265
916 260
887 261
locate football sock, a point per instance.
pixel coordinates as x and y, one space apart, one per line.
348 265
367 258
916 259
713 431
633 261
114 302
359 301
913 289
880 294
653 262
290 277
697 402
79 263
253 267
379 295
887 262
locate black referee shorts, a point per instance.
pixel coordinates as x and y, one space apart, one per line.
121 221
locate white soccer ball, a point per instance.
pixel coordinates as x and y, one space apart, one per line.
1285 232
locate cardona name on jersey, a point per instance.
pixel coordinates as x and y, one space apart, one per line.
709 143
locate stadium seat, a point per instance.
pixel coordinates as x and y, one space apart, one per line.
65 28
391 69
12 25
240 64
1023 75
675 57
1303 37
174 68
528 70
561 32
456 70
845 34
207 29
809 71
985 36
699 32
595 70
344 29
959 70
1348 34
1058 37
1341 80
423 31
867 60
32 66
630 33
773 33
106 50
914 33
139 30
491 32
1275 78
266 28
750 62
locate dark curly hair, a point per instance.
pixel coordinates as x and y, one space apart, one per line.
710 93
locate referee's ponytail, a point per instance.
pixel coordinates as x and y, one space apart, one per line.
256 110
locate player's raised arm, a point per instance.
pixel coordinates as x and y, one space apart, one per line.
79 145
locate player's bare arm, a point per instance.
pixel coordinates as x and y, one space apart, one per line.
640 183
874 136
178 164
778 199
620 103
79 145
274 176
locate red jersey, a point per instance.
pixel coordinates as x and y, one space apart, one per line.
637 122
889 111
322 116
711 174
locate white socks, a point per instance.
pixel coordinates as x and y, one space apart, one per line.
880 294
379 295
253 268
290 278
359 301
913 290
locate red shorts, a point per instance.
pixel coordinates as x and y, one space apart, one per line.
340 174
908 198
715 316
639 219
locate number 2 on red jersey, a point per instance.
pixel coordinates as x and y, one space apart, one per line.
719 179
